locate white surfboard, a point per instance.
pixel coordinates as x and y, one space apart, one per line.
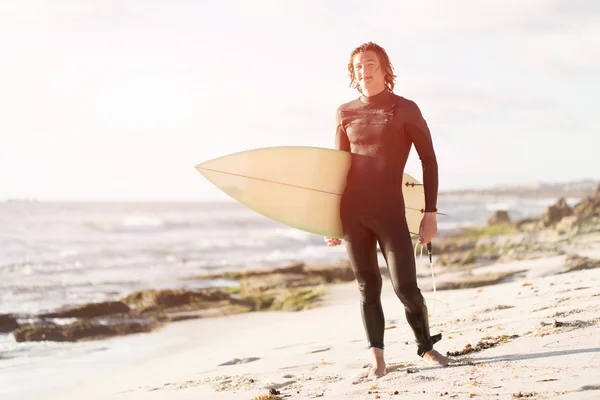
298 186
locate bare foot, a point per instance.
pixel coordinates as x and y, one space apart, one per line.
437 357
379 368
378 371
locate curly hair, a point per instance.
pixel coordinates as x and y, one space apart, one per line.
384 60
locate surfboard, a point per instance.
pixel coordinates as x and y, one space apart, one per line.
299 186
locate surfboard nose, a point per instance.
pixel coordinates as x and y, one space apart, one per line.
215 164
199 167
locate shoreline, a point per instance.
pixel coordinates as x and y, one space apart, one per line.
462 254
531 323
474 260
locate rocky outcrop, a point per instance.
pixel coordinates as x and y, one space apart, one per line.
297 286
296 268
457 259
332 273
583 211
290 289
79 330
90 310
274 281
499 217
589 207
291 299
576 262
145 310
556 212
452 246
8 323
161 300
525 222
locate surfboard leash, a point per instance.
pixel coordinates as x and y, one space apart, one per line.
430 253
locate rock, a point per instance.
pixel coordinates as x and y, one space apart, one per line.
453 246
52 333
297 299
556 212
314 275
85 330
587 208
457 259
8 323
91 310
296 268
274 281
499 217
212 312
332 273
525 222
566 224
292 299
576 262
295 275
152 300
79 330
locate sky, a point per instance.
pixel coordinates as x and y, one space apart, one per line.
119 99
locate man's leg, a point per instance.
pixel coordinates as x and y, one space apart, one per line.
396 245
361 245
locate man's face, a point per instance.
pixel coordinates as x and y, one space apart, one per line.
368 72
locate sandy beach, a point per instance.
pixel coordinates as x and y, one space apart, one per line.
535 336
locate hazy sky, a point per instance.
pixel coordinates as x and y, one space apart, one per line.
118 100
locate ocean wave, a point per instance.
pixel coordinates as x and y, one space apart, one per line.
134 223
154 224
141 223
504 206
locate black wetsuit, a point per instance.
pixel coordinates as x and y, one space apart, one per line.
379 132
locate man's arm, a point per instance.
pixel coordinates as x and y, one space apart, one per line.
417 129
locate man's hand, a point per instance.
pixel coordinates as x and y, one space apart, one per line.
428 228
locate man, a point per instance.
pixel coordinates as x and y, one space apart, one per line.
379 129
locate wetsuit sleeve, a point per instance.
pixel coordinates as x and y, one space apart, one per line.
417 130
341 138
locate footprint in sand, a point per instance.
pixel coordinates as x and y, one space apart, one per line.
319 350
219 383
396 366
560 314
237 361
392 367
280 385
496 308
590 387
547 328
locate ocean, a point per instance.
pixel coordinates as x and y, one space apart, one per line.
65 254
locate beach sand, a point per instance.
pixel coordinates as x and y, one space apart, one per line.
537 336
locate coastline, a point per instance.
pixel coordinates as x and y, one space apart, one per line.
528 334
321 352
269 307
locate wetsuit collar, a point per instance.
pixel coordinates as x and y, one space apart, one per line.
378 97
